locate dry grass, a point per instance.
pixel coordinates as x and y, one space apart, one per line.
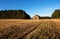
29 29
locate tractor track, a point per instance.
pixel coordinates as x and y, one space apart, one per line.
28 31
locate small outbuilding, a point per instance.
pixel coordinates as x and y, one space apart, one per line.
36 17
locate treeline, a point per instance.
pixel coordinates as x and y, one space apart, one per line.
45 17
21 14
55 15
13 14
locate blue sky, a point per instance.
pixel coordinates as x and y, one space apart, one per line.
32 7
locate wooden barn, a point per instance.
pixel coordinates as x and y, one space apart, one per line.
36 17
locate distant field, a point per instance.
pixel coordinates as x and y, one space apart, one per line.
29 29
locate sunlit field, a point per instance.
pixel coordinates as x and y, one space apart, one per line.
29 29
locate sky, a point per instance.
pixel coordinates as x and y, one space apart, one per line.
31 7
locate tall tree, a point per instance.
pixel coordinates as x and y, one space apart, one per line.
13 14
56 14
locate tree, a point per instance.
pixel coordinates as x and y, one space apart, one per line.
56 14
13 14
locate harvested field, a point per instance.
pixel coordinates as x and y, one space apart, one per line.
29 29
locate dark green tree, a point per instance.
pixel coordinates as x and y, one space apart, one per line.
13 14
56 14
